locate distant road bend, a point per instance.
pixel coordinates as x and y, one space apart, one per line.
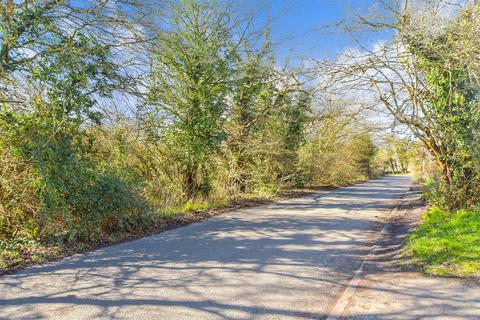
287 260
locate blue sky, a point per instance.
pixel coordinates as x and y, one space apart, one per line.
299 25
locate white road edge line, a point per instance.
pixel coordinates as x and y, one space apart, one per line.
342 302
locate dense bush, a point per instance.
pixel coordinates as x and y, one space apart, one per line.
338 150
51 188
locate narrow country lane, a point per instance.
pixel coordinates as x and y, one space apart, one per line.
288 260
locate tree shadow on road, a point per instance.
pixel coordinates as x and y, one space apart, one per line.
288 260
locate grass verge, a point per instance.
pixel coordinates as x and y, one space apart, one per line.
447 244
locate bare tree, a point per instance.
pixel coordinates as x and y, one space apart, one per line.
426 76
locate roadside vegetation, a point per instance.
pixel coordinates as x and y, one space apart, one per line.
121 119
448 243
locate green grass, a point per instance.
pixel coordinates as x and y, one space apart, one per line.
192 206
447 244
25 251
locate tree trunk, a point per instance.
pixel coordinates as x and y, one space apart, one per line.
447 173
243 176
190 184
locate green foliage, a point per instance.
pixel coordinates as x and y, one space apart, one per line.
72 197
450 106
217 106
23 250
220 121
448 243
197 206
193 65
44 143
338 151
275 143
397 154
453 105
254 98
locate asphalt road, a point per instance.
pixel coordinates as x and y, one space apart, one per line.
288 260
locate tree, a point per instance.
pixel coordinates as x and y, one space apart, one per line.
34 31
339 146
266 116
428 80
56 62
398 153
253 96
192 71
